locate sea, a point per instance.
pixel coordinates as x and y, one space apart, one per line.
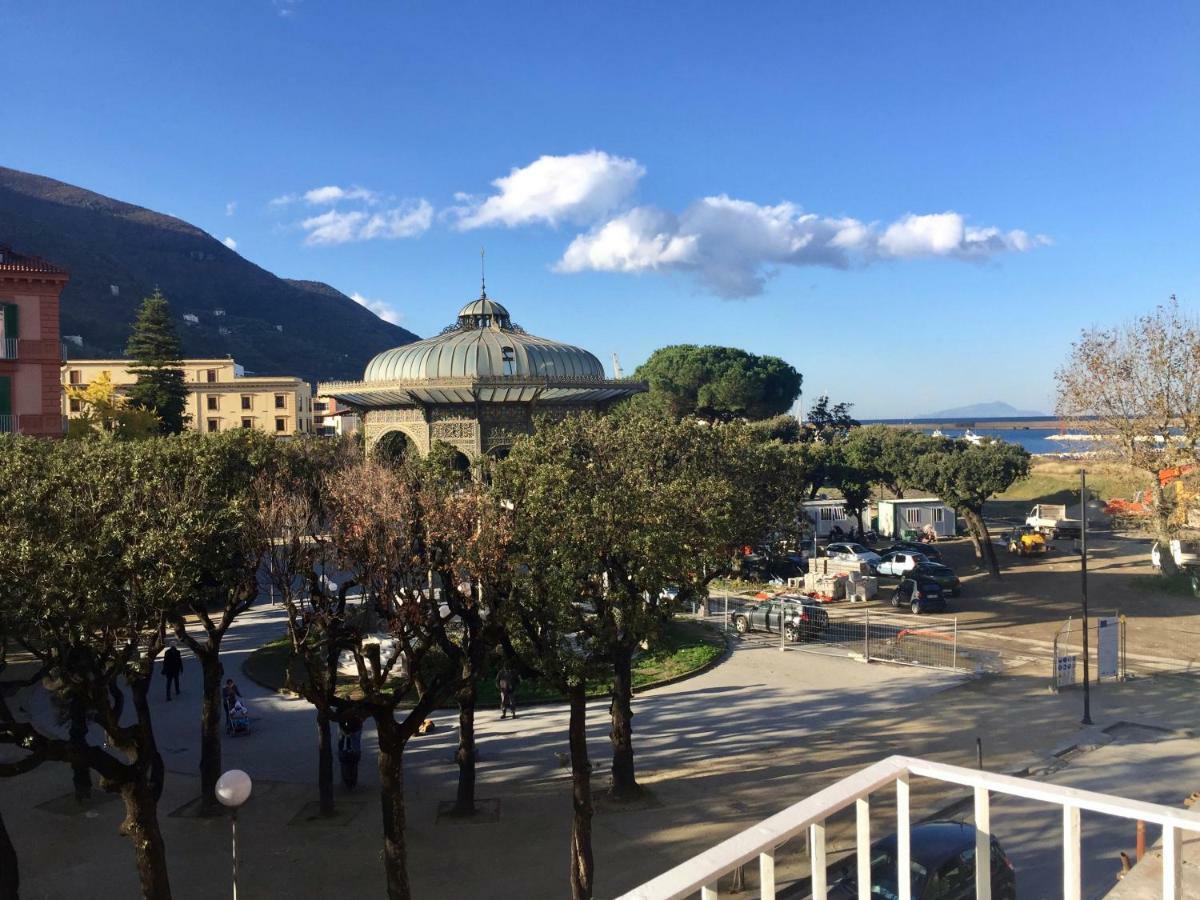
1034 433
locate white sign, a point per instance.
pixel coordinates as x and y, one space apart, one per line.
1064 670
1109 645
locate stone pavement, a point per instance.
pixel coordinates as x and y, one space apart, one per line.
718 752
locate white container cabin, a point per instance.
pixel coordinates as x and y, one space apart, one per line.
824 514
898 516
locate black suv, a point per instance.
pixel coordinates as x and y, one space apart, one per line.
803 618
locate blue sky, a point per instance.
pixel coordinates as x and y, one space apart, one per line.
917 205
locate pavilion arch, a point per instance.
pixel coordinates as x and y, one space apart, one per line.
394 446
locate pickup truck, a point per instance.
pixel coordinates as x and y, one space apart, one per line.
1051 519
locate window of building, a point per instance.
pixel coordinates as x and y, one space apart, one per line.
247 423
280 424
939 514
912 516
214 425
280 401
826 513
213 403
320 406
210 376
506 355
73 377
247 402
76 406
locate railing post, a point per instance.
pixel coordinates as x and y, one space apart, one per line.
766 874
903 839
1071 857
818 868
863 848
983 845
1172 855
866 635
709 892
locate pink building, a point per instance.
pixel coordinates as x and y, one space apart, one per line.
30 348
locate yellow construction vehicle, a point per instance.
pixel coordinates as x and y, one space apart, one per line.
1026 541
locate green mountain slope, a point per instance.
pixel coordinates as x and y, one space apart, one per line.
117 253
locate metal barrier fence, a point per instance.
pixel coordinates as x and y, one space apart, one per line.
864 632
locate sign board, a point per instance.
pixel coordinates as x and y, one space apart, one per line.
1064 670
1108 651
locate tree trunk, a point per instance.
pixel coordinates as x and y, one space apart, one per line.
391 795
464 802
582 865
1162 529
985 550
81 775
210 731
324 763
141 825
861 528
10 881
624 779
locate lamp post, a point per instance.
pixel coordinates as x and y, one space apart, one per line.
233 789
1087 696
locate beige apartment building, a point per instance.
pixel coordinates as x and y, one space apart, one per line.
221 396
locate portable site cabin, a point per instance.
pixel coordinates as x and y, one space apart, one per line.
823 515
899 516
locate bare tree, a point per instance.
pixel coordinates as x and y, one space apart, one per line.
1137 386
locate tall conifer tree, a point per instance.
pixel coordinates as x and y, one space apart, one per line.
155 350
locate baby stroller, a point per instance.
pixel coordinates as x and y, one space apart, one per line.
237 717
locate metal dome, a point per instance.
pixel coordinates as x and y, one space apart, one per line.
484 344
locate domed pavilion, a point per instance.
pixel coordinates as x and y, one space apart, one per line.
477 386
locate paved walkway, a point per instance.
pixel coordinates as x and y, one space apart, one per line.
718 752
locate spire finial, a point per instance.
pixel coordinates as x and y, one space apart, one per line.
482 276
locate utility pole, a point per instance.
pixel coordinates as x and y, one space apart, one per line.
1087 697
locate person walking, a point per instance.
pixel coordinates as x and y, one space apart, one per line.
172 668
506 683
350 751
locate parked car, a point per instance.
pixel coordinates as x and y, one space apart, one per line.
852 552
943 575
898 562
803 618
920 594
942 863
927 550
1185 553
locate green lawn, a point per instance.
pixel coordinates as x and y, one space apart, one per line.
683 647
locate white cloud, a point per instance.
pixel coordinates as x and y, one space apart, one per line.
733 246
331 193
384 310
579 187
336 227
230 207
230 243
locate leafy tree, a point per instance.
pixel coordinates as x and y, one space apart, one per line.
90 536
829 424
155 350
718 383
104 412
608 513
965 475
890 454
1138 386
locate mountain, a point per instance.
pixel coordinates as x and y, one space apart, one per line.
995 409
118 253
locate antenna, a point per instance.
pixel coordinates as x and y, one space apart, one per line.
617 373
482 275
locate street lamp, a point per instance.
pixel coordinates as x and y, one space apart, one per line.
233 789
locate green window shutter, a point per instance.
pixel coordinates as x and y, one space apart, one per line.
5 395
10 321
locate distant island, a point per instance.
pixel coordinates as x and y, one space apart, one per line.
994 409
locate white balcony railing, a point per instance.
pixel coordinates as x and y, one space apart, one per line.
701 873
8 424
8 348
